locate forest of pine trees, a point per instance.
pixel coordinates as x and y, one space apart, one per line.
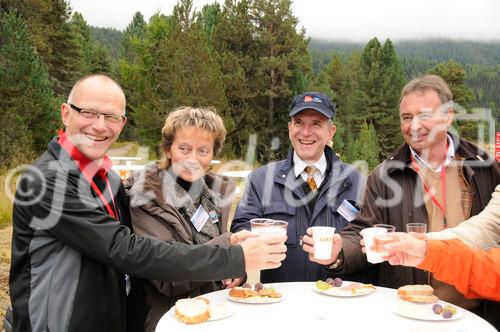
246 58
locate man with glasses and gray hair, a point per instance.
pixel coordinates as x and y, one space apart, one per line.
72 246
435 178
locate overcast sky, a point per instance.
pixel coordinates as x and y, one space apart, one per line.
357 20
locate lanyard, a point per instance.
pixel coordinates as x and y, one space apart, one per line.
103 199
86 168
443 185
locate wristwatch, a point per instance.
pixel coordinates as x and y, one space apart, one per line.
338 262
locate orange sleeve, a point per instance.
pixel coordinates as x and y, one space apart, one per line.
474 272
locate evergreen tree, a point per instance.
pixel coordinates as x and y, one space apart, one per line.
339 144
337 81
108 37
133 75
92 57
172 66
138 74
329 80
208 19
454 74
281 70
83 40
133 34
363 152
63 70
190 73
393 82
48 24
28 115
100 60
235 48
379 82
368 145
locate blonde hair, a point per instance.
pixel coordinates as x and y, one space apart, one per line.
428 82
182 117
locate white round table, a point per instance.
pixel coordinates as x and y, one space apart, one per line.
302 307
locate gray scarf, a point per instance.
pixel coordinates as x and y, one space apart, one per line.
183 201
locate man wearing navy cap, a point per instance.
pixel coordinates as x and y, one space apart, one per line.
311 187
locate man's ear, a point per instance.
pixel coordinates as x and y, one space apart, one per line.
65 113
450 115
333 130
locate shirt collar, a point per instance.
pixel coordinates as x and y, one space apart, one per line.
87 166
450 154
299 165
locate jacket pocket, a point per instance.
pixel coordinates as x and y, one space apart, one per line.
282 211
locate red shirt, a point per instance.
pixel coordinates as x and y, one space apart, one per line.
90 169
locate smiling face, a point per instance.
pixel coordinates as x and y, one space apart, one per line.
309 132
191 153
423 121
93 138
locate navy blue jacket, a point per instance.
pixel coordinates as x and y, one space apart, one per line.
273 191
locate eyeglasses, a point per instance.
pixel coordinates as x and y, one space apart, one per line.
405 118
111 119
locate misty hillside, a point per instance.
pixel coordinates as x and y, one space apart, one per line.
435 50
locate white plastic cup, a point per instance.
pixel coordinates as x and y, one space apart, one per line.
368 235
323 241
268 226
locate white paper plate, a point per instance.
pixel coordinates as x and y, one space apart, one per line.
422 311
338 291
220 310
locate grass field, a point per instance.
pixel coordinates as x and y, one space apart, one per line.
5 202
5 244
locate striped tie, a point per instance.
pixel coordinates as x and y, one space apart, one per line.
310 170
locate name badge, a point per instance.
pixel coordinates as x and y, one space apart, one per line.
347 210
199 218
213 216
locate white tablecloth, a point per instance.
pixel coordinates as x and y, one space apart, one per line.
302 307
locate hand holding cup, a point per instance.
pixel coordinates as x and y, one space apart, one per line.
320 249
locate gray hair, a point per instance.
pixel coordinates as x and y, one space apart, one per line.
429 82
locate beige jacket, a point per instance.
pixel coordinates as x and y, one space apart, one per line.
481 230
152 216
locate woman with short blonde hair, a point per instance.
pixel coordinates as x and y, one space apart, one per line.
204 118
179 199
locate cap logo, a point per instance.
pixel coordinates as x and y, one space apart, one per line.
317 100
309 99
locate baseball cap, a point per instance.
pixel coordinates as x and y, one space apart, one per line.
313 100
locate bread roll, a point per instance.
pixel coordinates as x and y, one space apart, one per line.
416 290
192 311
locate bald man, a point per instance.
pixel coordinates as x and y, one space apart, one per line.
72 249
